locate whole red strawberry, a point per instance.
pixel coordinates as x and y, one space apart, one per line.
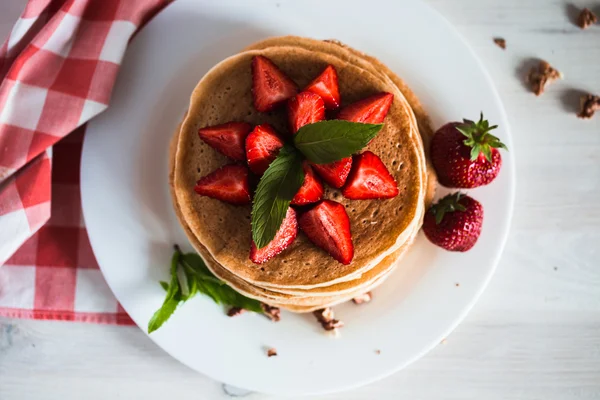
454 222
465 155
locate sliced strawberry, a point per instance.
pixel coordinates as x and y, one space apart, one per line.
285 236
262 147
270 86
334 173
303 109
327 225
369 179
228 139
228 184
311 190
371 110
326 86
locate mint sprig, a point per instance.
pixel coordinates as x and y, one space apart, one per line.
328 141
276 189
199 279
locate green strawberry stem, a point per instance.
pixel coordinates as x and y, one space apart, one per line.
479 138
447 204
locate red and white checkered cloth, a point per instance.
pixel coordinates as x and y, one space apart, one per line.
57 70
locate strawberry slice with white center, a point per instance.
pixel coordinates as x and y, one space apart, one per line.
270 86
326 86
327 225
369 179
262 147
228 184
371 110
303 109
311 190
335 173
285 236
228 139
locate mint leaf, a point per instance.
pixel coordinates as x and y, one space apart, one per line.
275 191
213 287
172 298
199 280
223 294
328 141
194 265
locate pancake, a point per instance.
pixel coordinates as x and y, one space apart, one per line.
224 230
375 66
294 303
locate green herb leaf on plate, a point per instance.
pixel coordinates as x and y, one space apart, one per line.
275 191
172 298
328 141
199 280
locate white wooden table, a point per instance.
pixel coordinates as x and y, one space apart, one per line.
535 333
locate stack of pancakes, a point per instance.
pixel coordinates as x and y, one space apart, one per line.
303 277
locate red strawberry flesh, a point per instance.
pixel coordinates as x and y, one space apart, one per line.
327 225
311 190
285 236
228 139
228 184
454 223
270 86
335 173
262 147
303 109
326 86
369 179
371 110
460 160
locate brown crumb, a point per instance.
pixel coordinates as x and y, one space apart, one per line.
273 313
363 298
235 311
378 352
271 352
589 105
586 18
501 42
457 284
327 319
541 76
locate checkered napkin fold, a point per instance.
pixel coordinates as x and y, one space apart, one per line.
57 70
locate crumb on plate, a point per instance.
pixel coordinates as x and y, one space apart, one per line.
271 352
327 320
235 311
273 313
362 298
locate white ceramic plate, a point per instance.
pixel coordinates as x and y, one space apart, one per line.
132 227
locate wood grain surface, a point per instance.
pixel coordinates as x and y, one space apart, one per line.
535 333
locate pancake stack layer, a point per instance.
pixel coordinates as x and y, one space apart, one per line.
303 277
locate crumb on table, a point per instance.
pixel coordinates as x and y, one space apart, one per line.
542 75
586 18
271 352
589 105
501 42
